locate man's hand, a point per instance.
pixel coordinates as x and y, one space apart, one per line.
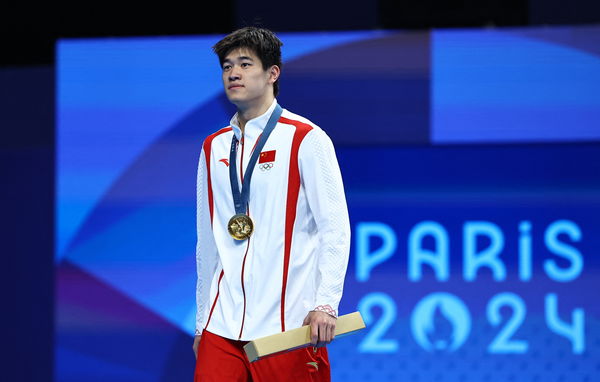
322 328
195 345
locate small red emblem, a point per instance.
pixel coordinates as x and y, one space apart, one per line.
267 156
224 161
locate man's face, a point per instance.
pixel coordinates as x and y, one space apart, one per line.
244 79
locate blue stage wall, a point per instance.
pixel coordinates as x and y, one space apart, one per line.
470 160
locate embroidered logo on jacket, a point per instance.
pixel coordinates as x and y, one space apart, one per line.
226 161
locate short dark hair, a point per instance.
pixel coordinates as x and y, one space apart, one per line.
260 41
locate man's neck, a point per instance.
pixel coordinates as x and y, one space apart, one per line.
244 114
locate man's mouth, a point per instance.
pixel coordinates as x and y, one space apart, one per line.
234 86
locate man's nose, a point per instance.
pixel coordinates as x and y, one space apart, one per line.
234 74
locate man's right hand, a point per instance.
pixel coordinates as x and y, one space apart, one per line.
195 346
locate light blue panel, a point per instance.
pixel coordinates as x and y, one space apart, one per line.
115 97
497 86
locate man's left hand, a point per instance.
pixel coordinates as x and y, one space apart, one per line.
322 328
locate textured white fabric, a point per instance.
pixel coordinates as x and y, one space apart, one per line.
206 250
251 273
326 198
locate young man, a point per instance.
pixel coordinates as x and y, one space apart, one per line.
273 227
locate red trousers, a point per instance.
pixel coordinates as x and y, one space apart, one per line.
223 360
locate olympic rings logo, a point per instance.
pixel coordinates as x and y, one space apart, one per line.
266 166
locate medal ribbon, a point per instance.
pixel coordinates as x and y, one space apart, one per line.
240 199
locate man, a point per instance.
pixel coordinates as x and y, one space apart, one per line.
273 227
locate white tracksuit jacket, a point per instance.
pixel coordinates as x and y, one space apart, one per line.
296 259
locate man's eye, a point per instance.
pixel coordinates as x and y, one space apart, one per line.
226 67
245 64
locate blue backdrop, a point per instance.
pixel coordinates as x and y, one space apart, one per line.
470 160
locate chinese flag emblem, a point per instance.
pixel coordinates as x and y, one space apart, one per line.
267 156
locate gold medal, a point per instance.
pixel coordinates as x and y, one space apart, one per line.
240 227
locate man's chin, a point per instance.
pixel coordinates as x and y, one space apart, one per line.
236 100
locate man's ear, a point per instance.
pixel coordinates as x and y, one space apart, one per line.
274 73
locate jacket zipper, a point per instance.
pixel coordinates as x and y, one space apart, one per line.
247 246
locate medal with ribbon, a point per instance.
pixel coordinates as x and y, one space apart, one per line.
240 226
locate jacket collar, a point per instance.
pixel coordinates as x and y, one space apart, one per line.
255 126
